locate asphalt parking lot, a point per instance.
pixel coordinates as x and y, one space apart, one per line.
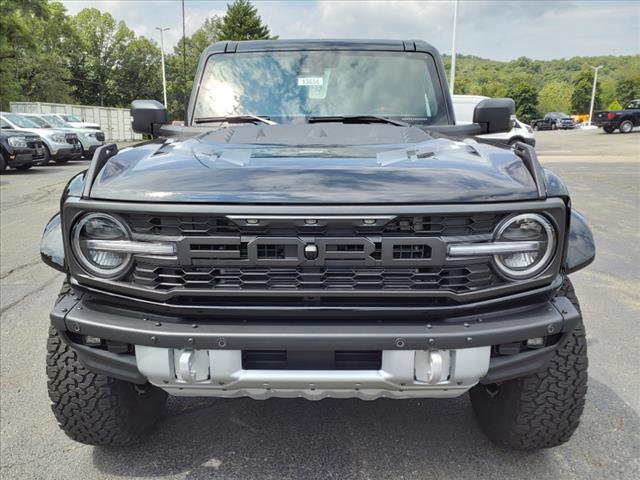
341 439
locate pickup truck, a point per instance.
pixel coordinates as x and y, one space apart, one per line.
554 121
319 227
623 120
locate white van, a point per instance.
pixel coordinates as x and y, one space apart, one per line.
463 106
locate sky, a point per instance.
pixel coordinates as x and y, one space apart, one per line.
500 30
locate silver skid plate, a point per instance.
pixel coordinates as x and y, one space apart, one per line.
403 374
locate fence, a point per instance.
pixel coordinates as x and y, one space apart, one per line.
114 122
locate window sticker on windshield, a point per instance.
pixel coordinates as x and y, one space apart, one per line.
310 81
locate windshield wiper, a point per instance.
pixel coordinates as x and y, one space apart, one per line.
358 119
236 119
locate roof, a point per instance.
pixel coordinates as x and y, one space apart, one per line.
321 44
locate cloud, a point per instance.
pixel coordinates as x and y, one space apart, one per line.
500 30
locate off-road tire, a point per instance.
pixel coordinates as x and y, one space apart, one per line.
93 408
609 129
540 410
626 126
47 156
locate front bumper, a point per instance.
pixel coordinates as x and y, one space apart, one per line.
70 151
158 340
90 146
607 123
20 157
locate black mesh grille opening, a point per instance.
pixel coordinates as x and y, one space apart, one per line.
311 360
411 252
420 225
457 279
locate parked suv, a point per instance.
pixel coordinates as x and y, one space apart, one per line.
315 231
59 146
90 139
77 122
20 150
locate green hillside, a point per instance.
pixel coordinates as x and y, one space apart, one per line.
549 85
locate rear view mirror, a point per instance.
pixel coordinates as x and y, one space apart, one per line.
147 116
495 115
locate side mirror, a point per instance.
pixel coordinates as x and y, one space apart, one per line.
495 115
147 116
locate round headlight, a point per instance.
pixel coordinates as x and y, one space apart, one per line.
100 226
527 227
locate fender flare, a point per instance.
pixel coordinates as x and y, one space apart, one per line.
581 247
52 244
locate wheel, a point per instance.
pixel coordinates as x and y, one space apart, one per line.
626 126
24 167
540 410
3 163
61 161
93 408
554 126
608 129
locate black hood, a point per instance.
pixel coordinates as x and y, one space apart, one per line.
314 164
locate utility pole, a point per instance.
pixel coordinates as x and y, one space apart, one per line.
184 66
453 47
593 92
164 77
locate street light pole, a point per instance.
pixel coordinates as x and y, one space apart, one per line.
593 92
453 48
164 78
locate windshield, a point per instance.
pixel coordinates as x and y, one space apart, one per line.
290 85
21 122
56 121
42 123
71 118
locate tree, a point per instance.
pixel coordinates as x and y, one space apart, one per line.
179 87
242 22
138 74
526 97
44 68
555 97
628 87
98 53
15 39
581 96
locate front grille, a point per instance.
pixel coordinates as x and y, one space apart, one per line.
420 225
71 138
457 279
332 258
311 360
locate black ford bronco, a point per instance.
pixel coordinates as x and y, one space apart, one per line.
319 227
